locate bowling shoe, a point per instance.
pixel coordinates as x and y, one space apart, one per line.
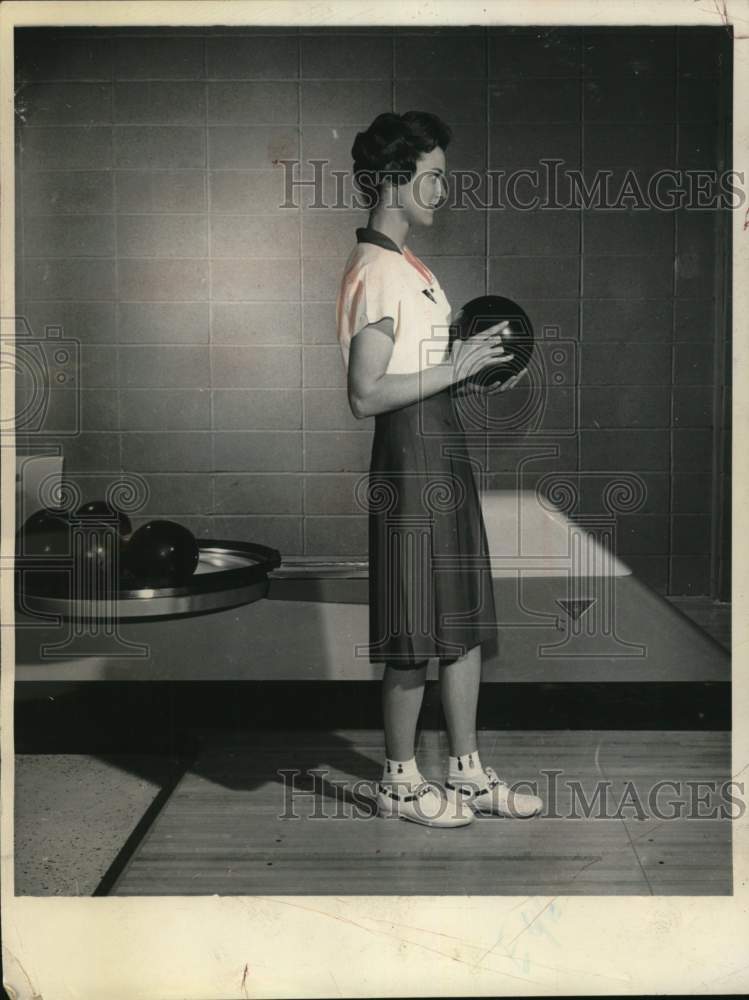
491 795
427 803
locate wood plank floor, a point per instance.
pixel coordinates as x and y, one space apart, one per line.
226 829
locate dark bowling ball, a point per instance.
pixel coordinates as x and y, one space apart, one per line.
102 509
44 538
161 554
97 553
488 310
126 578
100 531
45 533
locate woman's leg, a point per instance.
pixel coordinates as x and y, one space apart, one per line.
404 791
459 687
459 690
402 695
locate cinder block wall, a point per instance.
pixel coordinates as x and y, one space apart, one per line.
150 227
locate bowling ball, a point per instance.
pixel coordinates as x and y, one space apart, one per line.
161 554
95 553
45 533
488 310
101 509
126 579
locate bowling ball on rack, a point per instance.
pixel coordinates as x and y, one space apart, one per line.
102 509
126 579
104 529
101 531
161 553
97 555
45 533
43 551
488 310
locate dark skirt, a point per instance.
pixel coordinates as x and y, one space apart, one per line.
430 586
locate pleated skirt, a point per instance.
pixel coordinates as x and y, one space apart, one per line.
430 586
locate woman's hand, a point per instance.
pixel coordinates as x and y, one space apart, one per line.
469 388
481 351
489 390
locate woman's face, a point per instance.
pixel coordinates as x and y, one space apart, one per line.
419 197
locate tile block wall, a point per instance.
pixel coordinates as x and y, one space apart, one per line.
150 228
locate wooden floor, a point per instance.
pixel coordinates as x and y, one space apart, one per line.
223 830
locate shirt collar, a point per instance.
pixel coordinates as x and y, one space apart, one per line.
366 234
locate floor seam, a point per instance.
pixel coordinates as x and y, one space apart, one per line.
601 770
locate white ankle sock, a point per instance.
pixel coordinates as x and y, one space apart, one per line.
467 767
402 771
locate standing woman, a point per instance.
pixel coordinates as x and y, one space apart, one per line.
430 588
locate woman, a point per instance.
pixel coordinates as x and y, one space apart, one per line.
430 582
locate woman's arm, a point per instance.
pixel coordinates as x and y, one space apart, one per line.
370 390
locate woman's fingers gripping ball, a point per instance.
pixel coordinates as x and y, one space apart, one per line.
510 381
483 350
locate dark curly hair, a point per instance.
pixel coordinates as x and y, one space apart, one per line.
390 148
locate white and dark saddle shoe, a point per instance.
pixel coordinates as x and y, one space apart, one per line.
426 803
491 795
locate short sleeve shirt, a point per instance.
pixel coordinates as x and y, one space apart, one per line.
381 280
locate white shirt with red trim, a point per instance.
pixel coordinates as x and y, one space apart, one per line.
378 282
